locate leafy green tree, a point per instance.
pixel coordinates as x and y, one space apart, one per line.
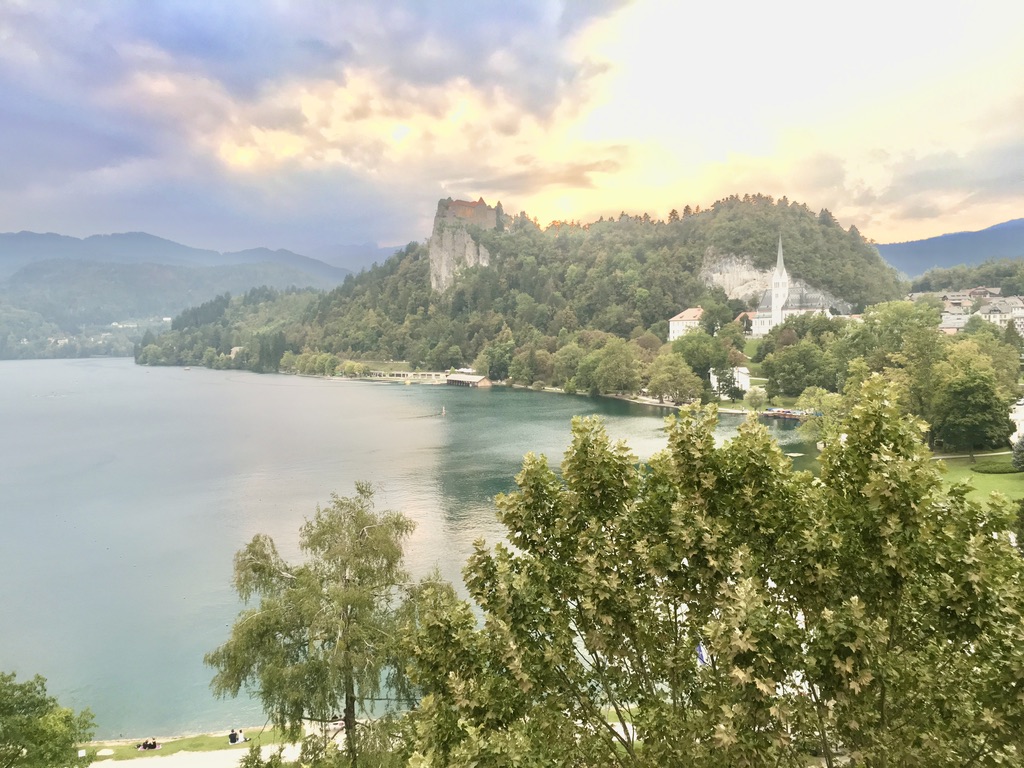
1012 337
323 637
497 356
792 369
1018 454
732 335
671 377
36 732
701 352
566 361
756 398
714 607
970 411
617 368
822 413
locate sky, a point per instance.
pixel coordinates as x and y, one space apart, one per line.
305 125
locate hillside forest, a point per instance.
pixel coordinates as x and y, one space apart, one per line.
568 284
586 308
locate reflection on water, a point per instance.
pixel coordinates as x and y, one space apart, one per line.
126 492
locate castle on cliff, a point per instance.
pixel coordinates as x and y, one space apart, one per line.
479 214
451 247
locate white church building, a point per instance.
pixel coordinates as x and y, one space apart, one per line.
784 299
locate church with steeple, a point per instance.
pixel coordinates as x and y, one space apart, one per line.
784 299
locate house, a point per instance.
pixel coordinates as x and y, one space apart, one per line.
981 292
685 321
467 380
740 377
957 301
1001 311
952 322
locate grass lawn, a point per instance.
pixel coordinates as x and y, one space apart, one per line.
1010 485
388 366
205 743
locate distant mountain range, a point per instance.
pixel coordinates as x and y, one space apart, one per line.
58 287
1002 241
18 249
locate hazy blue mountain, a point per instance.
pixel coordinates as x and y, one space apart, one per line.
356 257
18 249
60 295
74 294
1002 241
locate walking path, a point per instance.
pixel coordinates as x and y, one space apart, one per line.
218 758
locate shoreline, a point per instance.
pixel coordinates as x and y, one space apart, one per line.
119 742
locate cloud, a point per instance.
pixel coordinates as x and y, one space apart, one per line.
358 115
532 176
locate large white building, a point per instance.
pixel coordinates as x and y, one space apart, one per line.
784 299
685 321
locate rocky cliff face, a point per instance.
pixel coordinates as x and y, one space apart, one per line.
740 279
451 247
736 275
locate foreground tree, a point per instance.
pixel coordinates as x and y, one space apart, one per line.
323 637
821 413
714 607
35 731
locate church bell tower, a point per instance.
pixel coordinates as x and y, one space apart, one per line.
780 288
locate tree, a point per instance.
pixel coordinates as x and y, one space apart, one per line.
616 368
970 412
714 607
701 352
821 413
1018 455
496 357
756 398
35 731
1012 337
323 637
725 382
670 377
792 369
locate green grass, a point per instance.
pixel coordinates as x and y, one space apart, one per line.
750 347
204 743
387 365
1011 486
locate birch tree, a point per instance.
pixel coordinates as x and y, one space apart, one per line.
320 637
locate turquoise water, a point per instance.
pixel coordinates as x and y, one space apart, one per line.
125 491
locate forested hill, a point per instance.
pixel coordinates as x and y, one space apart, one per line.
624 277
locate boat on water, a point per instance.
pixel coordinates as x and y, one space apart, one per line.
782 413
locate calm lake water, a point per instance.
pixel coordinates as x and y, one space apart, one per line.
125 492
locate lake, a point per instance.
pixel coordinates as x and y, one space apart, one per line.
125 492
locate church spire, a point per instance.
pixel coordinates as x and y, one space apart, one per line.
780 289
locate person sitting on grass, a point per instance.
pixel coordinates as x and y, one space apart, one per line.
232 737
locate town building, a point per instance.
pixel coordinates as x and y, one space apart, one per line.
684 322
1002 311
467 380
